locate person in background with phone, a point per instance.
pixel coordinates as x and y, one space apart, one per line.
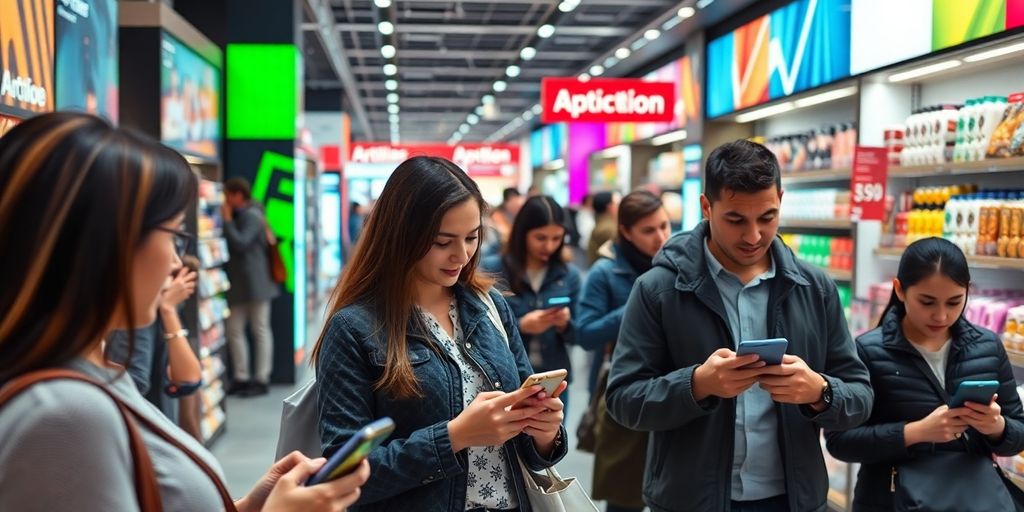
81 194
619 452
533 271
412 337
923 343
251 292
728 432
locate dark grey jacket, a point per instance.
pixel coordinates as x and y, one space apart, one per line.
249 266
674 320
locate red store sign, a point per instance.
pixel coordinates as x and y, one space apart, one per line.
476 159
867 183
607 100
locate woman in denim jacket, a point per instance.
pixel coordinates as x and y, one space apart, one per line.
533 271
410 338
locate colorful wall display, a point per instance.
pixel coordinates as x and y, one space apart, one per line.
87 57
267 76
190 100
548 144
797 47
26 57
914 28
685 73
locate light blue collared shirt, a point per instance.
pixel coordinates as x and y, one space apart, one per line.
757 461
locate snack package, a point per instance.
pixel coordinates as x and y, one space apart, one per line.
1001 145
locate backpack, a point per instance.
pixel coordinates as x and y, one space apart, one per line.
300 414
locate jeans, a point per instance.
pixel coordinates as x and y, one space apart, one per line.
778 503
257 314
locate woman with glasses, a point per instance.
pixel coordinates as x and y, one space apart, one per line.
90 220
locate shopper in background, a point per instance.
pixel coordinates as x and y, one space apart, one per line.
252 289
80 194
411 338
619 453
921 351
161 361
585 221
605 213
356 218
533 270
676 374
504 215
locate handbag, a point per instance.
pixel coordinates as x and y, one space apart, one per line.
278 273
147 490
552 493
300 423
548 492
952 481
586 432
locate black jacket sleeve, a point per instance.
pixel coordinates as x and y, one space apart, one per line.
1012 442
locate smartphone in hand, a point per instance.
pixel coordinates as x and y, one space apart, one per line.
556 302
977 391
770 351
547 380
354 451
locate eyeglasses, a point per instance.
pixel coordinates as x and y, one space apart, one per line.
182 240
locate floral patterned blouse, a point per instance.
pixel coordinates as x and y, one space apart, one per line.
489 478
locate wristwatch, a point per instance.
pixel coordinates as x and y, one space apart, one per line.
826 393
183 334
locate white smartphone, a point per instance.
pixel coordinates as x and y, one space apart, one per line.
547 380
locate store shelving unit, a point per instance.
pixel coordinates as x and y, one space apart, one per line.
988 166
987 262
819 176
212 309
817 225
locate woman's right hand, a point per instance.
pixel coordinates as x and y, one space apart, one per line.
536 322
941 426
490 420
283 488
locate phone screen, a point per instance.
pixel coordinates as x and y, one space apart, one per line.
354 451
354 458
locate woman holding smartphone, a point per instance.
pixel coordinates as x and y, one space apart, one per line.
921 352
540 286
90 223
413 336
620 453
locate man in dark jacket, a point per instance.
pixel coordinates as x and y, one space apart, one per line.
728 432
252 288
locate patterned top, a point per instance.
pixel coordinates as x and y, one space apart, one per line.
489 479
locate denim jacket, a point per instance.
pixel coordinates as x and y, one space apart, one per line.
603 302
416 469
562 280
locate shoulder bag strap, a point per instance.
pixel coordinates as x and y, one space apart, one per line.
147 491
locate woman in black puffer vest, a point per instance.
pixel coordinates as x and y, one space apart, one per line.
921 351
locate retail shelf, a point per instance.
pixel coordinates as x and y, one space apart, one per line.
1016 358
836 500
208 351
819 224
212 438
989 262
817 176
840 275
992 165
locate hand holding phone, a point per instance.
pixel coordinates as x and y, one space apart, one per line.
549 381
725 374
354 451
977 391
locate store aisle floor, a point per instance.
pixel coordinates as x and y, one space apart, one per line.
247 448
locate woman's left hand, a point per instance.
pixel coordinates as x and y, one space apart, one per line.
987 419
543 427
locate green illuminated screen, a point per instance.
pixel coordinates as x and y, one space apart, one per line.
262 91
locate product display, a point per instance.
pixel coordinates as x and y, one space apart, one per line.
212 307
816 204
984 127
826 148
831 252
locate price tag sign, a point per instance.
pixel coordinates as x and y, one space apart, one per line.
867 184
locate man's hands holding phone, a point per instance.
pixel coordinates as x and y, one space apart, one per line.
727 375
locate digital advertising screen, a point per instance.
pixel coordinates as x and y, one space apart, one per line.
86 61
26 57
798 47
190 100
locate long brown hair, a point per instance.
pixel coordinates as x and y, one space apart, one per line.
537 212
635 207
399 233
77 198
